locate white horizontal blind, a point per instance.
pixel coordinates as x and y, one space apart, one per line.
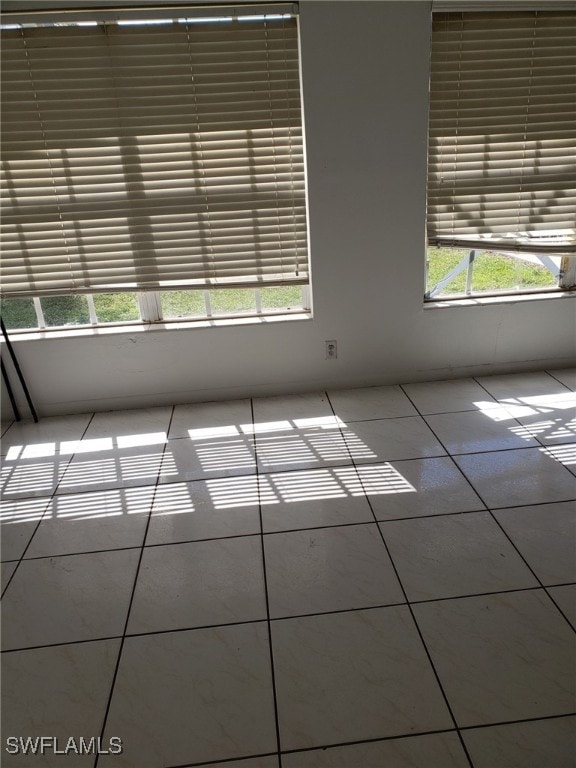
152 156
502 139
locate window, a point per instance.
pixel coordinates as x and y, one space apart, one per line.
502 147
152 169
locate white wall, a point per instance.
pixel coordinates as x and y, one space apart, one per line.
365 82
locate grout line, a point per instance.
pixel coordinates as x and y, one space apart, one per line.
256 471
555 379
339 610
239 536
498 450
536 588
5 428
516 722
410 415
58 645
553 586
227 760
420 734
194 629
267 597
328 526
425 647
534 504
560 381
516 373
79 554
48 502
123 639
287 618
292 530
136 634
375 740
323 747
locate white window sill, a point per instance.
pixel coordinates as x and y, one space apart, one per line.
486 301
131 329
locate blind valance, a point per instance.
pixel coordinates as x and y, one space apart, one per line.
152 155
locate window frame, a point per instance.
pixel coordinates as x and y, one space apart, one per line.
565 271
149 301
151 314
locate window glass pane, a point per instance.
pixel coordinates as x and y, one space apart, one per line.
116 307
499 272
491 272
232 300
18 313
281 297
65 310
440 262
182 304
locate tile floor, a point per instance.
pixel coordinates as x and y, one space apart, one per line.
370 578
